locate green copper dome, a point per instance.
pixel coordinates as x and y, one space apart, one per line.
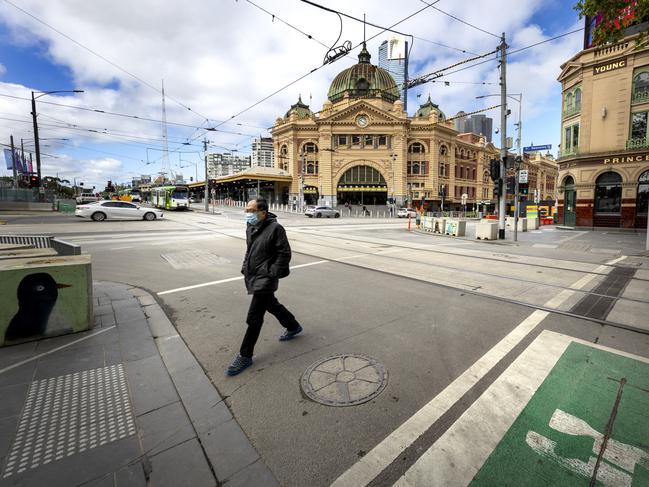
363 80
302 110
425 110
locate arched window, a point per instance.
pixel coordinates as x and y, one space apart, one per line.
641 87
485 177
416 148
417 165
283 158
569 101
569 182
443 150
608 193
642 201
310 151
578 99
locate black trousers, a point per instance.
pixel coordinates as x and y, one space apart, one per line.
258 306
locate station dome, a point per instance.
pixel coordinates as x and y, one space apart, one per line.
427 108
363 80
300 108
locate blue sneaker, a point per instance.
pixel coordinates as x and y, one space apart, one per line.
238 365
290 334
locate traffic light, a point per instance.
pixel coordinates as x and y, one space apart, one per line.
498 188
523 189
33 181
511 184
494 169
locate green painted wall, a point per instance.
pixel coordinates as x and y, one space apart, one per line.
61 302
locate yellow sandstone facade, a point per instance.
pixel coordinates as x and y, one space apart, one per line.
604 157
363 148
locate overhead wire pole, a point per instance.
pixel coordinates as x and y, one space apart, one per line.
503 136
207 181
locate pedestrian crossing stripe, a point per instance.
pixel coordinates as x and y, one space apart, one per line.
564 412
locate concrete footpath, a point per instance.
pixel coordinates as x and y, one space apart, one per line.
124 404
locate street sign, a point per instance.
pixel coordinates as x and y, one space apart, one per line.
464 198
522 176
535 148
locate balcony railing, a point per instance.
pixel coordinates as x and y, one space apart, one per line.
637 143
572 151
640 97
570 111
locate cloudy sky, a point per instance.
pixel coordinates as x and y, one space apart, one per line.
218 58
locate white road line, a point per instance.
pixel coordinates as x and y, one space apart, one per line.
122 248
230 279
374 462
615 261
36 357
455 458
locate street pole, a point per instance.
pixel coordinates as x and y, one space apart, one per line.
301 202
207 182
517 167
37 144
503 134
13 162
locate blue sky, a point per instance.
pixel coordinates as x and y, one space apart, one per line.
232 55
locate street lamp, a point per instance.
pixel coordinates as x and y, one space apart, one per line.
36 142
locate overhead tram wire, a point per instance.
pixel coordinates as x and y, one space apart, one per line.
125 115
462 21
318 68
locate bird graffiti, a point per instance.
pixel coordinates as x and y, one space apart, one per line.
37 294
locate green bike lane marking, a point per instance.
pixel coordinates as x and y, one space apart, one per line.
565 411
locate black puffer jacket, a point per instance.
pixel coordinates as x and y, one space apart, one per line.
267 256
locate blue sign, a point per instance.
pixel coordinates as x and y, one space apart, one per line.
535 148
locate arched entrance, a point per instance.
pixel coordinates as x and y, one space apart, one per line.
311 195
608 200
362 185
569 202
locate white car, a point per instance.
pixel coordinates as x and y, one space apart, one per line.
406 213
116 210
320 211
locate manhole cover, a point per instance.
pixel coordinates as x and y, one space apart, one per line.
344 380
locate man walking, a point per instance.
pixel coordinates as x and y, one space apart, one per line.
266 261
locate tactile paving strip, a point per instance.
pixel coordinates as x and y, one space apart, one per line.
194 258
70 414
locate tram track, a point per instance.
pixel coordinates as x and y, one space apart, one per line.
345 261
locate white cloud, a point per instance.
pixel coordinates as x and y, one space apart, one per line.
219 57
3 69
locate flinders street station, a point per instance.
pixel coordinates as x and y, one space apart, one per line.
362 148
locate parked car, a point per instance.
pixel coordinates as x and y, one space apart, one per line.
320 211
309 208
86 198
116 210
406 213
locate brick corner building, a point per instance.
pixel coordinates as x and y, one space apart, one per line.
604 154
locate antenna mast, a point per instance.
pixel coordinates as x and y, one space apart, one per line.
165 167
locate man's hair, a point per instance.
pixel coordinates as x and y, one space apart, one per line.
262 204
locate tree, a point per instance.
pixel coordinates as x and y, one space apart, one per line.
616 15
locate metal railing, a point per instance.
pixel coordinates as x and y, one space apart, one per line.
637 143
572 151
640 97
570 111
42 242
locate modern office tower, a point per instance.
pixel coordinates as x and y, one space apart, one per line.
225 164
393 57
262 152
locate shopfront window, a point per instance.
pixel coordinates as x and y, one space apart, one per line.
608 193
642 202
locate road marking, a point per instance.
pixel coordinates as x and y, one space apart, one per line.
615 261
122 248
530 394
376 460
35 357
238 278
230 279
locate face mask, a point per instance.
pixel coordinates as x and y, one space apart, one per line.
251 218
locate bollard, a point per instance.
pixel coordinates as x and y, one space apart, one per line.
408 222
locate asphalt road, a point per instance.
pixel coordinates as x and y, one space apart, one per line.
428 308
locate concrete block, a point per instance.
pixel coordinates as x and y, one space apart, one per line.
533 223
486 230
456 228
44 297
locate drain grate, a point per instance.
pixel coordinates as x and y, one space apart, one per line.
344 380
70 414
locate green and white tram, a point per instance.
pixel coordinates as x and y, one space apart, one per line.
170 197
